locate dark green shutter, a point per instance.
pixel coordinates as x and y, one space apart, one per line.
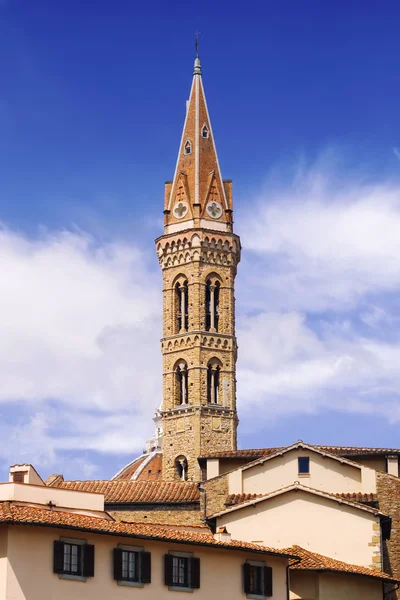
168 572
117 564
88 560
58 557
267 581
246 579
195 572
145 564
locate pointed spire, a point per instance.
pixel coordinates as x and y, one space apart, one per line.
197 196
197 65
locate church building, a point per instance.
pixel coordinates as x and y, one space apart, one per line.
336 506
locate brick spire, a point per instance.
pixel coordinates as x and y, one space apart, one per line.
197 197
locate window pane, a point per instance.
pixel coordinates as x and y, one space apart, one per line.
304 464
129 565
67 557
256 580
180 572
72 559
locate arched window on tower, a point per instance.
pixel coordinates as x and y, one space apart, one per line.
212 305
181 384
181 468
213 381
182 306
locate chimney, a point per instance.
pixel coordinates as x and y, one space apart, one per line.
222 535
24 474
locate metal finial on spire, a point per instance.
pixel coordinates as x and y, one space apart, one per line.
197 65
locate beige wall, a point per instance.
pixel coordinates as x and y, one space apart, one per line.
35 494
304 585
373 462
326 474
335 586
319 524
3 560
308 585
221 570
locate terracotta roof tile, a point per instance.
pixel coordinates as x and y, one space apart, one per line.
252 453
336 450
122 490
311 561
22 514
357 450
233 499
147 467
359 497
152 471
130 470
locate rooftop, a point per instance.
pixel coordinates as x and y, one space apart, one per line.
358 497
311 561
336 450
122 490
17 514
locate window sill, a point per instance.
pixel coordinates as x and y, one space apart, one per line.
72 577
303 475
127 583
178 588
256 596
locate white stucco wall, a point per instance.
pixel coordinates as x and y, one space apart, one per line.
326 474
315 523
31 577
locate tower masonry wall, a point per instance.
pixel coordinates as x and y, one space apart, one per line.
195 427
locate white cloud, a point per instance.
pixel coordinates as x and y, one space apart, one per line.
79 324
396 152
327 242
318 325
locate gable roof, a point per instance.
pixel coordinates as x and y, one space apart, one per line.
15 514
336 450
359 497
358 450
300 444
298 487
122 490
311 561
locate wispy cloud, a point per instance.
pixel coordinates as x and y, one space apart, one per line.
79 333
396 152
319 327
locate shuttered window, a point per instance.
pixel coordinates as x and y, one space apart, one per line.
132 565
182 571
73 559
257 580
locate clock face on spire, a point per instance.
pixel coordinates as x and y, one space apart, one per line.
180 209
214 210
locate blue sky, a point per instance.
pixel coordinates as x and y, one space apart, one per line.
304 104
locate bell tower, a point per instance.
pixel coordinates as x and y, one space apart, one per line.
198 254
